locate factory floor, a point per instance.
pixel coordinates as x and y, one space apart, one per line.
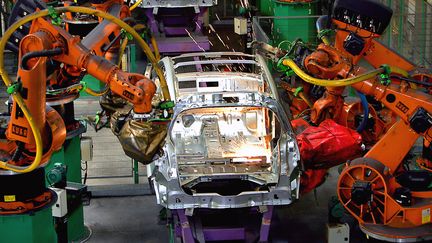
135 219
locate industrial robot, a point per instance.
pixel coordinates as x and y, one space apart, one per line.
390 200
52 63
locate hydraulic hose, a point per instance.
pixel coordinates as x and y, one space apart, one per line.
413 81
341 82
365 119
122 50
297 92
320 23
18 152
18 98
96 93
36 134
135 5
155 48
305 99
44 53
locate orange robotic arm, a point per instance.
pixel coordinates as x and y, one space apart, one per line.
133 87
46 40
390 202
370 187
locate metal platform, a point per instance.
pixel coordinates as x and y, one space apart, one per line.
238 224
382 232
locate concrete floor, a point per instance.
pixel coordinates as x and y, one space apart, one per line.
125 219
135 219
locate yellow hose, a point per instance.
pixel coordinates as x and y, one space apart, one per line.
36 134
341 82
325 40
19 100
135 5
155 48
96 93
122 50
305 99
97 13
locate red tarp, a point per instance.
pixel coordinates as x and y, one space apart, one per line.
328 145
323 147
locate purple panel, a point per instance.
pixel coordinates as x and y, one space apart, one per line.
224 234
198 67
187 235
152 21
175 31
265 224
182 44
199 19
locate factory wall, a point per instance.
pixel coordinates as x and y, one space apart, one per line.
411 30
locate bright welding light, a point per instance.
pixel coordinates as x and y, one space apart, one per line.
244 160
249 153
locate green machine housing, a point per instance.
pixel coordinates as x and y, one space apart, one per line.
294 20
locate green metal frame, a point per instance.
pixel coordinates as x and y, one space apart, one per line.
70 155
291 21
266 7
35 227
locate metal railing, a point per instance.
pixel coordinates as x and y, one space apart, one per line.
410 32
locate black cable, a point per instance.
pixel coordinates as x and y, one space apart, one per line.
427 84
329 13
18 152
44 53
85 172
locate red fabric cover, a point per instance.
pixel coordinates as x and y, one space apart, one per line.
311 179
299 125
328 145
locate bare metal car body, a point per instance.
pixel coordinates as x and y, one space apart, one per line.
230 143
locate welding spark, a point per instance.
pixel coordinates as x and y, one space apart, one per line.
211 28
241 3
220 39
199 27
244 4
193 39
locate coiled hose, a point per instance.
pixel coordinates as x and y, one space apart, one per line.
19 100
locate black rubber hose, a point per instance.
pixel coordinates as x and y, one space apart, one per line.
44 53
329 13
321 22
18 152
427 84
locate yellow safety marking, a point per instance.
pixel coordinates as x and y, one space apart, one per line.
426 216
9 198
